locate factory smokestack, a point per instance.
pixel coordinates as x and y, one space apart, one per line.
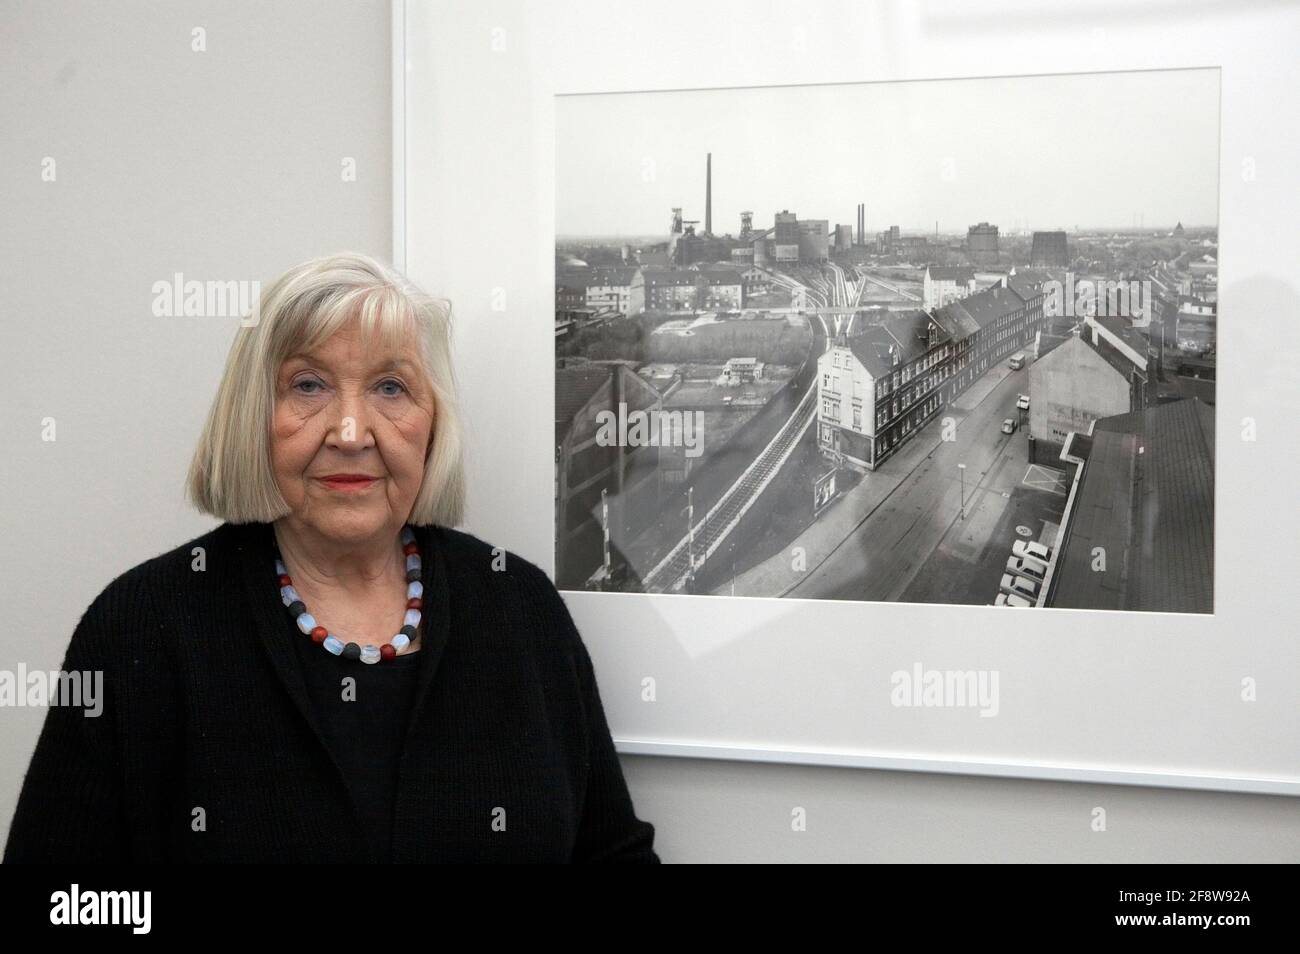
708 195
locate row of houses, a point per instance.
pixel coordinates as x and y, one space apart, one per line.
879 387
631 290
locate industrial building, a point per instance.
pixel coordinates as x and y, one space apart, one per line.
982 243
814 240
1049 250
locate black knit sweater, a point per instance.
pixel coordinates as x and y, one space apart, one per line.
209 747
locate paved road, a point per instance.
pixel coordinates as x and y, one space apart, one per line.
885 553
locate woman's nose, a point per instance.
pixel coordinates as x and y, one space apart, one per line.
352 426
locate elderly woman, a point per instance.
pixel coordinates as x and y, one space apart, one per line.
333 673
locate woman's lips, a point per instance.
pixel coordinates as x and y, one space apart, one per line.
348 484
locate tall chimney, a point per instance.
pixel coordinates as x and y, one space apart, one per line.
708 195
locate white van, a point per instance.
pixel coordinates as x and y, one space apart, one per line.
1017 361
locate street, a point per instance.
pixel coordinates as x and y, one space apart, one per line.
915 546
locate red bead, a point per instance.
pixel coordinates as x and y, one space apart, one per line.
387 651
284 580
410 548
318 634
415 603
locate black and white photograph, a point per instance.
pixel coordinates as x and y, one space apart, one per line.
948 341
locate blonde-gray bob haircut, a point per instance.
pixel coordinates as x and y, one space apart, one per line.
230 476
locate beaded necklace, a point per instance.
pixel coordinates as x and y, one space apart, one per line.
369 653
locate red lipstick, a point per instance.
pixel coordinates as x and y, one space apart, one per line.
348 482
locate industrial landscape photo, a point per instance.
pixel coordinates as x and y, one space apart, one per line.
842 342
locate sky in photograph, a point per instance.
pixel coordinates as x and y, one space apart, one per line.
1040 152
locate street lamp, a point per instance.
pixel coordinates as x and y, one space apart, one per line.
961 470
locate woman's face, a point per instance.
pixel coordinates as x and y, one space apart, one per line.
345 411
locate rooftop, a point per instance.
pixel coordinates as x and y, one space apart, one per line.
1122 330
686 276
1147 498
906 333
591 275
1025 286
986 307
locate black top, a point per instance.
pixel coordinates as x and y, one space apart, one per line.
363 724
207 742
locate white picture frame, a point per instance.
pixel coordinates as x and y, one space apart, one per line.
1172 700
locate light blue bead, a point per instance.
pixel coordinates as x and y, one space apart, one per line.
289 595
306 623
414 590
370 654
400 642
408 535
412 618
413 561
333 644
280 568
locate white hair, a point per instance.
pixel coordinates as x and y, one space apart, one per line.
231 476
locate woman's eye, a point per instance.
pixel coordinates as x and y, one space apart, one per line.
306 385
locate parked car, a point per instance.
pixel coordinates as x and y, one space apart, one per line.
1023 402
1027 567
1009 426
1018 586
1017 361
1028 548
1011 599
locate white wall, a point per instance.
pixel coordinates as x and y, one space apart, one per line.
226 165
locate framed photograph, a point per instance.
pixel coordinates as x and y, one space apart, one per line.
803 347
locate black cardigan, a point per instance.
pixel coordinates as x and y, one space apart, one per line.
208 748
